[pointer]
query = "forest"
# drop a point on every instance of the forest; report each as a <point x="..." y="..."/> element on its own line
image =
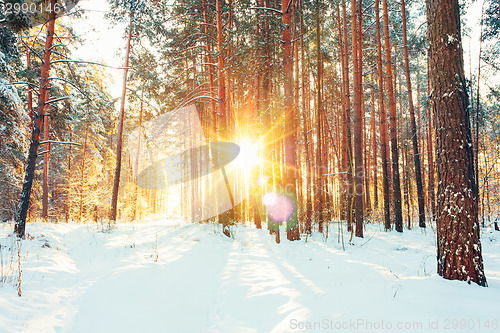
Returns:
<point x="299" y="124"/>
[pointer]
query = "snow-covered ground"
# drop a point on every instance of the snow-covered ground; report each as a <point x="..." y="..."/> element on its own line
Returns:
<point x="166" y="276"/>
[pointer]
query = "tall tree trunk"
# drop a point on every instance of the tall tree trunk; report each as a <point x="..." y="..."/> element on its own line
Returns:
<point x="319" y="188"/>
<point x="367" y="164"/>
<point x="137" y="156"/>
<point x="383" y="123"/>
<point x="220" y="76"/>
<point x="119" y="140"/>
<point x="396" y="185"/>
<point x="476" y="141"/>
<point x="223" y="109"/>
<point x="305" y="120"/>
<point x="347" y="125"/>
<point x="423" y="139"/>
<point x="458" y="240"/>
<point x="358" y="131"/>
<point x="210" y="61"/>
<point x="430" y="153"/>
<point x="30" y="90"/>
<point x="406" y="180"/>
<point x="227" y="67"/>
<point x="20" y="227"/>
<point x="82" y="180"/>
<point x="364" y="145"/>
<point x="292" y="230"/>
<point x="374" y="155"/>
<point x="413" y="128"/>
<point x="297" y="90"/>
<point x="68" y="187"/>
<point x="344" y="188"/>
<point x="46" y="156"/>
<point x="266" y="80"/>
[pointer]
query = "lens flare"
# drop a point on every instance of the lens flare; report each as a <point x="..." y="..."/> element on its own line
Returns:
<point x="280" y="208"/>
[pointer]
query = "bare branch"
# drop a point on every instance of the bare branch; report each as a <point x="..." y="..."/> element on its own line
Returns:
<point x="89" y="62"/>
<point x="57" y="99"/>
<point x="31" y="84"/>
<point x="268" y="8"/>
<point x="60" y="142"/>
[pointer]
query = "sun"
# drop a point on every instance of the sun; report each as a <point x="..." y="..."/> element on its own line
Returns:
<point x="249" y="156"/>
<point x="249" y="153"/>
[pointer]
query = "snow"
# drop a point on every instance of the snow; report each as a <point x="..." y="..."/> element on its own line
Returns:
<point x="167" y="276"/>
<point x="9" y="92"/>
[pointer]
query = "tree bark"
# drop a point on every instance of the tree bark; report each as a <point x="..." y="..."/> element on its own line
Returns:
<point x="137" y="156"/>
<point x="20" y="227"/>
<point x="358" y="131"/>
<point x="374" y="155"/>
<point x="305" y="120"/>
<point x="413" y="126"/>
<point x="430" y="153"/>
<point x="119" y="140"/>
<point x="347" y="125"/>
<point x="476" y="141"/>
<point x="344" y="188"/>
<point x="210" y="66"/>
<point x="458" y="240"/>
<point x="396" y="184"/>
<point x="319" y="188"/>
<point x="45" y="181"/>
<point x="292" y="230"/>
<point x="30" y="90"/>
<point x="68" y="187"/>
<point x="221" y="77"/>
<point x="82" y="180"/>
<point x="227" y="68"/>
<point x="383" y="123"/>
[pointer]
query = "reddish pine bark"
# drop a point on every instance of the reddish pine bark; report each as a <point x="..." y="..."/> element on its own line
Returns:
<point x="374" y="155"/>
<point x="319" y="188"/>
<point x="292" y="230"/>
<point x="305" y="120"/>
<point x="220" y="76"/>
<point x="30" y="91"/>
<point x="45" y="181"/>
<point x="68" y="180"/>
<point x="344" y="188"/>
<point x="458" y="242"/>
<point x="119" y="141"/>
<point x="210" y="61"/>
<point x="364" y="143"/>
<point x="430" y="154"/>
<point x="358" y="131"/>
<point x="82" y="180"/>
<point x="413" y="126"/>
<point x="383" y="123"/>
<point x="229" y="96"/>
<point x="20" y="227"/>
<point x="396" y="185"/>
<point x="347" y="125"/>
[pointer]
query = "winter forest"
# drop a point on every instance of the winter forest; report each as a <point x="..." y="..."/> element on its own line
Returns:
<point x="249" y="165"/>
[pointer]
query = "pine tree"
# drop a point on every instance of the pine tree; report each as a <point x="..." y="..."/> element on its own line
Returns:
<point x="396" y="185"/>
<point x="413" y="125"/>
<point x="38" y="119"/>
<point x="458" y="241"/>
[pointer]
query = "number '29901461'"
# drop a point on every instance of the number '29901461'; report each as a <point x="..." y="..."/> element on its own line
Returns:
<point x="9" y="8"/>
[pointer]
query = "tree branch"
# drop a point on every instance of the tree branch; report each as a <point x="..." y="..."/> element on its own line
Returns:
<point x="268" y="8"/>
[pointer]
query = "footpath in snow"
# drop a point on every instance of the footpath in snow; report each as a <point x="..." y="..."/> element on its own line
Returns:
<point x="166" y="276"/>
